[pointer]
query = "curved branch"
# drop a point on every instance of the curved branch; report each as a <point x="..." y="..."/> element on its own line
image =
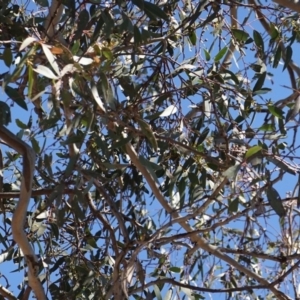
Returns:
<point x="19" y="215"/>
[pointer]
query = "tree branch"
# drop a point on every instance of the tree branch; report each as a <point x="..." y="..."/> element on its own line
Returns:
<point x="201" y="242"/>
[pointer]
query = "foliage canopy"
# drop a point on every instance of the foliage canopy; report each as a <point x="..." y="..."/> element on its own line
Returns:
<point x="164" y="132"/>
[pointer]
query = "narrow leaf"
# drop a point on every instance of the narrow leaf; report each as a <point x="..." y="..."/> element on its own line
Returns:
<point x="16" y="96"/>
<point x="288" y="56"/>
<point x="277" y="57"/>
<point x="275" y="202"/>
<point x="146" y="129"/>
<point x="258" y="41"/>
<point x="253" y="150"/>
<point x="85" y="61"/>
<point x="155" y="10"/>
<point x="172" y="109"/>
<point x="240" y="35"/>
<point x="107" y="91"/>
<point x="7" y="57"/>
<point x="42" y="70"/>
<point x="97" y="98"/>
<point x="232" y="171"/>
<point x="220" y="55"/>
<point x="275" y="111"/>
<point x="26" y="43"/>
<point x="207" y="55"/>
<point x="51" y="59"/>
<point x="260" y="82"/>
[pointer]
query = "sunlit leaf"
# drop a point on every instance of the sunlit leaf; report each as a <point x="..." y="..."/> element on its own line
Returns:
<point x="172" y="109"/>
<point x="42" y="70"/>
<point x="51" y="59"/>
<point x="276" y="111"/>
<point x="97" y="98"/>
<point x="85" y="61"/>
<point x="107" y="91"/>
<point x="27" y="42"/>
<point x="253" y="150"/>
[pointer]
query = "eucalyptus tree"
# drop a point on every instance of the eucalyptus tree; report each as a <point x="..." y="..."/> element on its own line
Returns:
<point x="149" y="149"/>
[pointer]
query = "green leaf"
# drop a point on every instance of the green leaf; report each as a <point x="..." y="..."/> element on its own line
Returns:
<point x="240" y="35"/>
<point x="55" y="230"/>
<point x="221" y="53"/>
<point x="157" y="292"/>
<point x="137" y="36"/>
<point x="260" y="82"/>
<point x="207" y="55"/>
<point x="35" y="145"/>
<point x="175" y="269"/>
<point x="288" y="57"/>
<point x="274" y="32"/>
<point x="262" y="91"/>
<point x="277" y="57"/>
<point x="16" y="96"/>
<point x="7" y="57"/>
<point x="81" y="23"/>
<point x="276" y="111"/>
<point x="253" y="150"/>
<point x="267" y="127"/>
<point x="147" y="131"/>
<point x="107" y="53"/>
<point x="275" y="202"/>
<point x="107" y="91"/>
<point x="233" y="205"/>
<point x="5" y="116"/>
<point x="151" y="10"/>
<point x="232" y="171"/>
<point x="21" y="124"/>
<point x="232" y="76"/>
<point x="30" y="81"/>
<point x="151" y="167"/>
<point x="193" y="37"/>
<point x="259" y="41"/>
